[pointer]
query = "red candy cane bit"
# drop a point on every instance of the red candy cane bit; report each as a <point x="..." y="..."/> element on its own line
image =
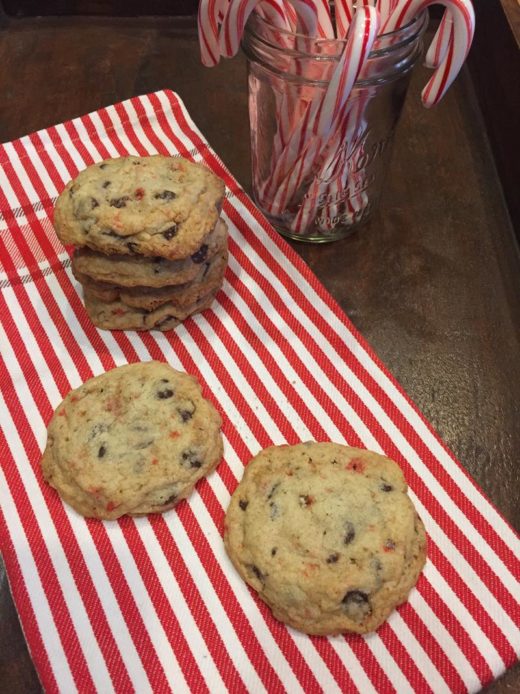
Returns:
<point x="356" y="464"/>
<point x="139" y="194"/>
<point x="111" y="506"/>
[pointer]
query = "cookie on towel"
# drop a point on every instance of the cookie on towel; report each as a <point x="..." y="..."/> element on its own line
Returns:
<point x="209" y="279"/>
<point x="115" y="315"/>
<point x="327" y="536"/>
<point x="151" y="206"/>
<point x="140" y="271"/>
<point x="134" y="440"/>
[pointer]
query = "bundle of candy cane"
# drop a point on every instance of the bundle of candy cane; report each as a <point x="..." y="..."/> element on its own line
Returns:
<point x="311" y="133"/>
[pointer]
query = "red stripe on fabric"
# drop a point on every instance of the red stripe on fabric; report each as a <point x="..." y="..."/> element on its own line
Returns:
<point x="50" y="303"/>
<point x="243" y="627"/>
<point x="459" y="634"/>
<point x="164" y="611"/>
<point x="200" y="612"/>
<point x="470" y="600"/>
<point x="50" y="580"/>
<point x="23" y="602"/>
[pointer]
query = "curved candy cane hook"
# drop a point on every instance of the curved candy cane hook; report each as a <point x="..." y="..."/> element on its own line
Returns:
<point x="463" y="17"/>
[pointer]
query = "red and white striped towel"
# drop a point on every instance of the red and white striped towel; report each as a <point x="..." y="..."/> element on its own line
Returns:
<point x="153" y="604"/>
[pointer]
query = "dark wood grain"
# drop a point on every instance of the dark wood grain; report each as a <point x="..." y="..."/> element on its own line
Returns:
<point x="433" y="282"/>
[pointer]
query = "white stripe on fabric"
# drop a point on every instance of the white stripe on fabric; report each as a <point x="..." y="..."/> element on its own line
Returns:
<point x="175" y="597"/>
<point x="449" y="645"/>
<point x="72" y="598"/>
<point x="36" y="595"/>
<point x="152" y="623"/>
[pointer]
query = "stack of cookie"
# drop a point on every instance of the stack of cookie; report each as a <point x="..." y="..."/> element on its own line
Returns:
<point x="151" y="248"/>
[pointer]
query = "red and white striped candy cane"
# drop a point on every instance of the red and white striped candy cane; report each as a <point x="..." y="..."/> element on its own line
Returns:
<point x="209" y="18"/>
<point x="235" y="19"/>
<point x="314" y="18"/>
<point x="343" y="14"/>
<point x="463" y="17"/>
<point x="440" y="43"/>
<point x="385" y="8"/>
<point x="335" y="187"/>
<point x="307" y="139"/>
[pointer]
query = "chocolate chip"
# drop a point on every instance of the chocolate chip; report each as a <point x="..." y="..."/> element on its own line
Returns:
<point x="119" y="202"/>
<point x="165" y="195"/>
<point x="94" y="203"/>
<point x="257" y="573"/>
<point x="357" y="604"/>
<point x="243" y="503"/>
<point x="200" y="255"/>
<point x="106" y="184"/>
<point x="164" y="321"/>
<point x="143" y="444"/>
<point x="385" y="487"/>
<point x="185" y="415"/>
<point x="170" y="232"/>
<point x="132" y="246"/>
<point x="101" y="452"/>
<point x="102" y="166"/>
<point x="332" y="558"/>
<point x="273" y="490"/>
<point x="274" y="551"/>
<point x="190" y="458"/>
<point x="275" y="511"/>
<point x="97" y="429"/>
<point x="170" y="499"/>
<point x="350" y="533"/>
<point x="164" y="394"/>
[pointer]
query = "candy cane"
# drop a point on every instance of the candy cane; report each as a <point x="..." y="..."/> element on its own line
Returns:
<point x="208" y="23"/>
<point x="314" y="16"/>
<point x="332" y="174"/>
<point x="307" y="139"/>
<point x="441" y="41"/>
<point x="463" y="17"/>
<point x="235" y="19"/>
<point x="385" y="8"/>
<point x="343" y="13"/>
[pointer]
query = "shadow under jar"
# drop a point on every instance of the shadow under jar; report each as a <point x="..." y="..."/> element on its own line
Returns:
<point x="313" y="188"/>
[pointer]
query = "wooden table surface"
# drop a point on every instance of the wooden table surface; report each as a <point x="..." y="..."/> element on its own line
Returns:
<point x="433" y="282"/>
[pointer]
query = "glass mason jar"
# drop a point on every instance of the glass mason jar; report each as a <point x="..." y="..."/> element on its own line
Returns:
<point x="314" y="189"/>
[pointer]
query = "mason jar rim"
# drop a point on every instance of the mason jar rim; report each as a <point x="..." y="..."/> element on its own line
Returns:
<point x="420" y="20"/>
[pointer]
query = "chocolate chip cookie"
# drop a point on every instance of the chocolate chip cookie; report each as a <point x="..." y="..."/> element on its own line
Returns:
<point x="115" y="315"/>
<point x="151" y="206"/>
<point x="134" y="440"/>
<point x="139" y="271"/>
<point x="327" y="535"/>
<point x="208" y="279"/>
